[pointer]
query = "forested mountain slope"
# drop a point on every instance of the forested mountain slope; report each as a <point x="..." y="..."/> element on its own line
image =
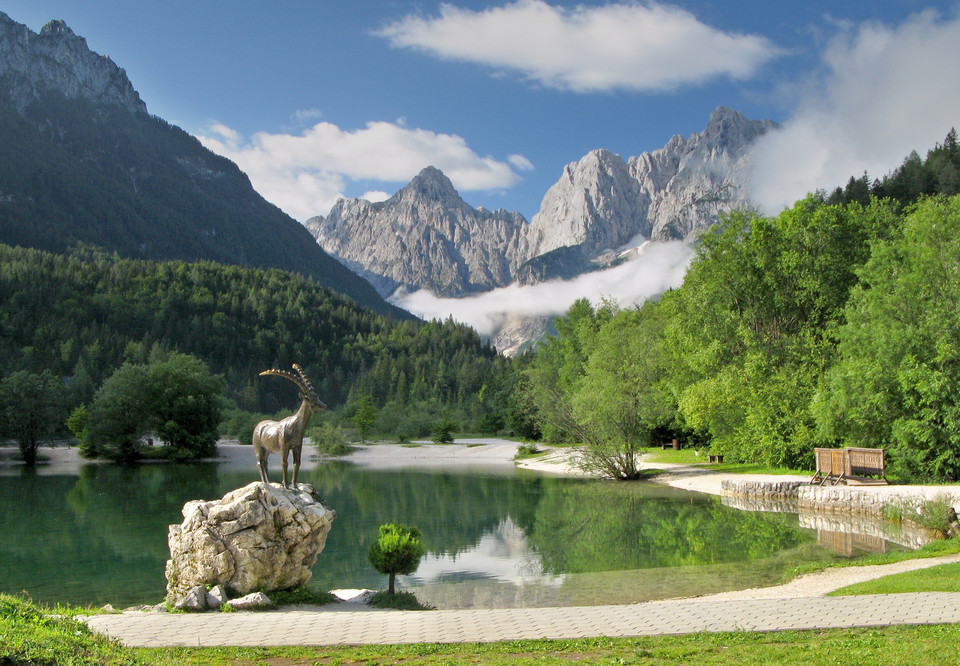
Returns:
<point x="82" y="161"/>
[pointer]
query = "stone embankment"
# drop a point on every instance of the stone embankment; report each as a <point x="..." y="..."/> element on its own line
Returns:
<point x="862" y="510"/>
<point x="857" y="500"/>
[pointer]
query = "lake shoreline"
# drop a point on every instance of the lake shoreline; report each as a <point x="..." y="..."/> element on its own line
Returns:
<point x="494" y="454"/>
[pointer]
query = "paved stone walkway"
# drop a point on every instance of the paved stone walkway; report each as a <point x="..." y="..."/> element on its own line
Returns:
<point x="318" y="627"/>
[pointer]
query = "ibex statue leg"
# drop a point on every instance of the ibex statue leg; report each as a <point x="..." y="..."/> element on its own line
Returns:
<point x="283" y="466"/>
<point x="296" y="465"/>
<point x="262" y="464"/>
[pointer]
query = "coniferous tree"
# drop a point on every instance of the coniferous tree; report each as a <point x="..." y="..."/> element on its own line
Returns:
<point x="397" y="550"/>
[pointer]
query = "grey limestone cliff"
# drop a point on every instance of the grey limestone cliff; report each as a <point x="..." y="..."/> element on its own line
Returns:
<point x="57" y="59"/>
<point x="426" y="236"/>
<point x="689" y="182"/>
<point x="672" y="193"/>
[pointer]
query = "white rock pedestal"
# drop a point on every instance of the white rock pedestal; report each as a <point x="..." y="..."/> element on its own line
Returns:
<point x="259" y="537"/>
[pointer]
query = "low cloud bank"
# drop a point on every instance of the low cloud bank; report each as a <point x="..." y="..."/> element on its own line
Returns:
<point x="883" y="91"/>
<point x="659" y="267"/>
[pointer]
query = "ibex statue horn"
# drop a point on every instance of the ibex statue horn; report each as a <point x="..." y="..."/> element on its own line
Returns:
<point x="287" y="435"/>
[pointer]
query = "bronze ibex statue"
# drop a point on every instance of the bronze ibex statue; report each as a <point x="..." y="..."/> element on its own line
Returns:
<point x="287" y="435"/>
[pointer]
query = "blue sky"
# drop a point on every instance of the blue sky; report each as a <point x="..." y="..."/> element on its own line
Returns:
<point x="317" y="99"/>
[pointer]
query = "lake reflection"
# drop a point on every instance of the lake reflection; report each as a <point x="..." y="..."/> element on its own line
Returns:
<point x="494" y="539"/>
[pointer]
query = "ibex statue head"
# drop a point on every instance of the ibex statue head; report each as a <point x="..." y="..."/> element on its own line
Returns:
<point x="287" y="435"/>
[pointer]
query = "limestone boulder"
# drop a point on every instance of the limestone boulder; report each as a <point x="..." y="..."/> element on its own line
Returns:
<point x="259" y="537"/>
<point x="252" y="601"/>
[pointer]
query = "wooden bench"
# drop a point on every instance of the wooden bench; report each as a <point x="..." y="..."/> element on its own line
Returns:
<point x="851" y="465"/>
<point x="715" y="457"/>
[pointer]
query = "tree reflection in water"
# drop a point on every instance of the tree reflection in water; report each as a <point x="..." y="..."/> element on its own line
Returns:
<point x="512" y="539"/>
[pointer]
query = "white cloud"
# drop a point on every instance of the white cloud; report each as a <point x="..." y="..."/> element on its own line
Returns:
<point x="885" y="91"/>
<point x="659" y="267"/>
<point x="520" y="162"/>
<point x="229" y="135"/>
<point x="305" y="174"/>
<point x="375" y="195"/>
<point x="616" y="46"/>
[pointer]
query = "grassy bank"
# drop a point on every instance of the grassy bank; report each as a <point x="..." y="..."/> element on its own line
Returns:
<point x="692" y="457"/>
<point x="33" y="635"/>
<point x="899" y="645"/>
<point x="943" y="578"/>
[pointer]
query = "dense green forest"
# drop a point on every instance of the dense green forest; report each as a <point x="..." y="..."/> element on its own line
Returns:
<point x="81" y="315"/>
<point x="834" y="323"/>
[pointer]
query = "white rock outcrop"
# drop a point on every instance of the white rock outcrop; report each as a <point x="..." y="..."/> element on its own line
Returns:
<point x="596" y="205"/>
<point x="256" y="538"/>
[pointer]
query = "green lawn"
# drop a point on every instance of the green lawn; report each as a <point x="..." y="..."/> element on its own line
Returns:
<point x="943" y="578"/>
<point x="894" y="645"/>
<point x="690" y="457"/>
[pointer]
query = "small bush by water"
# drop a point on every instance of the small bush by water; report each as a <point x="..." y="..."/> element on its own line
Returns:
<point x="527" y="450"/>
<point x="936" y="513"/>
<point x="328" y="439"/>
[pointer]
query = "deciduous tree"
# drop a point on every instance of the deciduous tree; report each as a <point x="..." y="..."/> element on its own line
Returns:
<point x="896" y="384"/>
<point x="174" y="397"/>
<point x="32" y="406"/>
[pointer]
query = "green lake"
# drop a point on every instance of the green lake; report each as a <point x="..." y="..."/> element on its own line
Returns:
<point x="495" y="537"/>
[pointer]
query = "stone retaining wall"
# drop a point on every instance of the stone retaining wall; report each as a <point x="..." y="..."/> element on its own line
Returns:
<point x="765" y="490"/>
<point x="839" y="509"/>
<point x="857" y="500"/>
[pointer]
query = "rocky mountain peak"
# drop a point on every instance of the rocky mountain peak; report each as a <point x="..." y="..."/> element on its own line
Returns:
<point x="431" y="182"/>
<point x="58" y="60"/>
<point x="60" y="28"/>
<point x="423" y="236"/>
<point x="592" y="206"/>
<point x="729" y="128"/>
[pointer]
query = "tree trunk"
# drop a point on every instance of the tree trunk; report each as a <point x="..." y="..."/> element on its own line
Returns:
<point x="393" y="578"/>
<point x="28" y="450"/>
